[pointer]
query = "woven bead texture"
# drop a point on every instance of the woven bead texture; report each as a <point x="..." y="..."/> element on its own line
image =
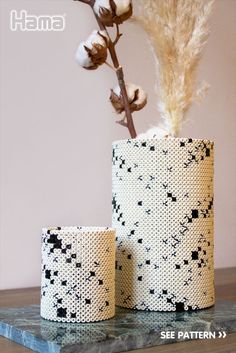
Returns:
<point x="78" y="274"/>
<point x="163" y="215"/>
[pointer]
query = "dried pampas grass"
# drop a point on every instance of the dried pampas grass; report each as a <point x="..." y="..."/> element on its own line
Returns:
<point x="178" y="31"/>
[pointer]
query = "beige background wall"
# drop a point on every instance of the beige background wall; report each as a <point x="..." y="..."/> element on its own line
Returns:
<point x="57" y="128"/>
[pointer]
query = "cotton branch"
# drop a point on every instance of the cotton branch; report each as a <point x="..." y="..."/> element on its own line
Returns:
<point x="119" y="71"/>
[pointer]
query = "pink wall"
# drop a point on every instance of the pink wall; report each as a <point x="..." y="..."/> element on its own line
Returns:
<point x="57" y="127"/>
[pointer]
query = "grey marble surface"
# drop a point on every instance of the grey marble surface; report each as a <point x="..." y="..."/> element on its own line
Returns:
<point x="128" y="330"/>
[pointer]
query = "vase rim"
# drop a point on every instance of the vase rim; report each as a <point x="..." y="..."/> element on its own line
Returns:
<point x="77" y="230"/>
<point x="165" y="139"/>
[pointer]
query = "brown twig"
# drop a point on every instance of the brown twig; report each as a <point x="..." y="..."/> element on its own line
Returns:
<point x="110" y="66"/>
<point x="118" y="34"/>
<point x="119" y="72"/>
<point x="122" y="122"/>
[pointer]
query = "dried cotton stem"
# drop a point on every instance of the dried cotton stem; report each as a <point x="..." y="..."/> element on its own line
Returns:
<point x="118" y="69"/>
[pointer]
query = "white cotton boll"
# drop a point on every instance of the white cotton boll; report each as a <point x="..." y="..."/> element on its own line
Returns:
<point x="96" y="37"/>
<point x="109" y="14"/>
<point x="93" y="52"/>
<point x="138" y="100"/>
<point x="122" y="6"/>
<point x="82" y="57"/>
<point x="142" y="96"/>
<point x="116" y="90"/>
<point x="101" y="4"/>
<point x="131" y="88"/>
<point x="136" y="96"/>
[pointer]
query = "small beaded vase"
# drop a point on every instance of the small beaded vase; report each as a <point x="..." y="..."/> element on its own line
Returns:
<point x="78" y="274"/>
<point x="163" y="215"/>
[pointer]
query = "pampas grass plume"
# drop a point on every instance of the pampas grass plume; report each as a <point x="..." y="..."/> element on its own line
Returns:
<point x="178" y="31"/>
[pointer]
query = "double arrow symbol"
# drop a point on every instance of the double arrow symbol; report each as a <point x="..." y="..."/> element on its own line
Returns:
<point x="222" y="334"/>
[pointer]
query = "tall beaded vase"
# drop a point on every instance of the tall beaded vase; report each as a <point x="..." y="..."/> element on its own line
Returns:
<point x="163" y="215"/>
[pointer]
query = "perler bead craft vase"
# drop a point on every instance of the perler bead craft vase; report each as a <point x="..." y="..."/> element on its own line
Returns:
<point x="78" y="274"/>
<point x="163" y="215"/>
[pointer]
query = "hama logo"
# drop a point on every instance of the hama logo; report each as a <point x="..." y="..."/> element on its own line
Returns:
<point x="22" y="21"/>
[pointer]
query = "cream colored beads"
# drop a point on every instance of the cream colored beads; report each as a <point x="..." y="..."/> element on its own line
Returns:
<point x="163" y="215"/>
<point x="78" y="274"/>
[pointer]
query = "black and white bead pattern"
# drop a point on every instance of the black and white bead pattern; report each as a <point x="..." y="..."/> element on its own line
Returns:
<point x="163" y="215"/>
<point x="78" y="274"/>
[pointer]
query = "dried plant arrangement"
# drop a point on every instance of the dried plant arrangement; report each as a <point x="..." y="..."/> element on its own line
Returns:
<point x="177" y="32"/>
<point x="125" y="97"/>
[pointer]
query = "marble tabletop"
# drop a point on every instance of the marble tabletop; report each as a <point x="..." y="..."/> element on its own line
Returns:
<point x="127" y="331"/>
